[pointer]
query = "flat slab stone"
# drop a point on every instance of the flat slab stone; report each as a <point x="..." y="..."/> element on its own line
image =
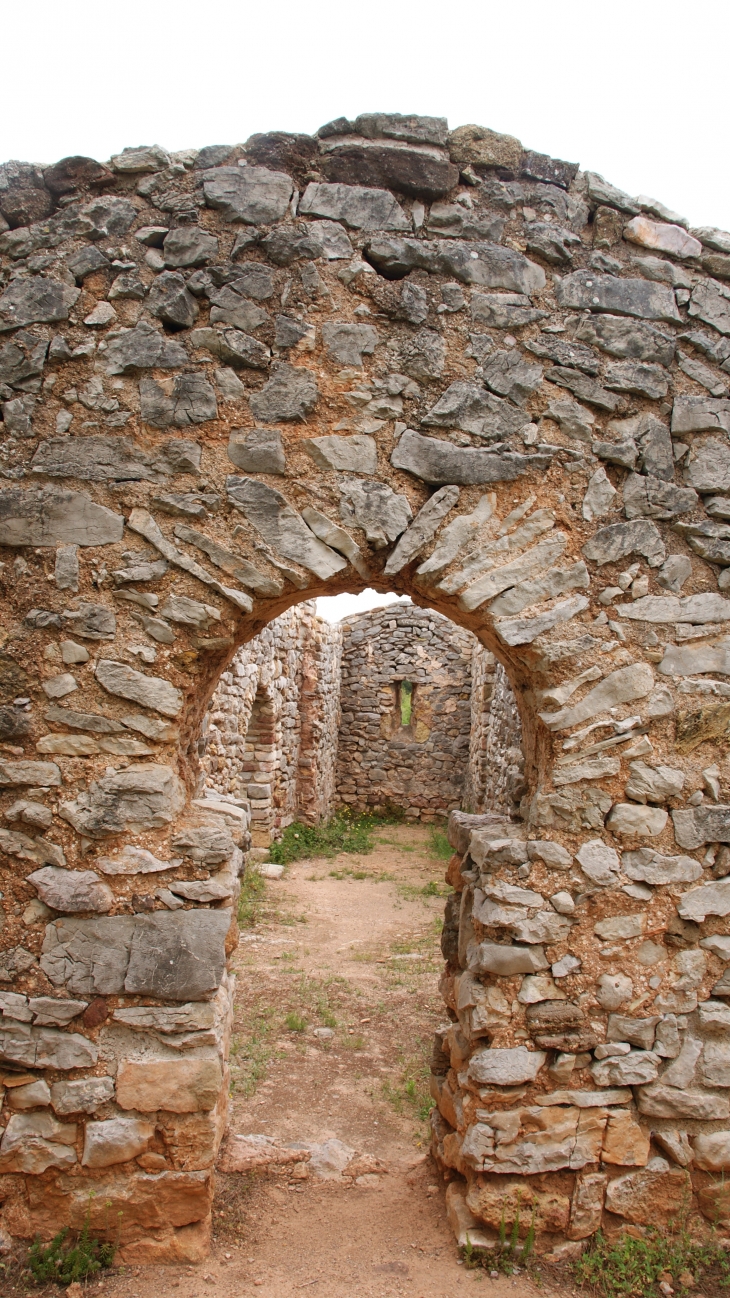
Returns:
<point x="505" y="1067"/>
<point x="343" y="454"/>
<point x="254" y="195"/>
<point x="49" y="516"/>
<point x="173" y="956"/>
<point x="136" y="798"/>
<point x="436" y="461"/>
<point x="588" y="290"/>
<point x="149" y="691"/>
<point x="281" y="526"/>
<point x="45" y="1047"/>
<point x="357" y="206"/>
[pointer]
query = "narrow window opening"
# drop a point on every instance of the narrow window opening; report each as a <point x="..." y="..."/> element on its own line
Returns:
<point x="405" y="701"/>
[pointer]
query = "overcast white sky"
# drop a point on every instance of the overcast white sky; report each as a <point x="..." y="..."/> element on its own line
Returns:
<point x="634" y="90"/>
<point x="637" y="91"/>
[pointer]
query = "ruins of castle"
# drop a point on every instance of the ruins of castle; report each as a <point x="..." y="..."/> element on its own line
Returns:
<point x="425" y="361"/>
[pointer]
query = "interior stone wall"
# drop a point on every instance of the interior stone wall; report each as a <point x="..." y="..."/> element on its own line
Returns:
<point x="270" y="734"/>
<point x="495" y="772"/>
<point x="421" y="360"/>
<point x="419" y="768"/>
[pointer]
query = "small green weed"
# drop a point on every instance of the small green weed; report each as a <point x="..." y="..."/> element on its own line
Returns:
<point x="439" y="845"/>
<point x="296" y="1022"/>
<point x="628" y="1266"/>
<point x="503" y="1256"/>
<point x="345" y="832"/>
<point x="63" y="1264"/>
<point x="250" y="901"/>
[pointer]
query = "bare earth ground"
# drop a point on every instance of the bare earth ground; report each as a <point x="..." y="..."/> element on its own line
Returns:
<point x="351" y="944"/>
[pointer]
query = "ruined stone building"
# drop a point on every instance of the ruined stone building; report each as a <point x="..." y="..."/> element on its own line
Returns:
<point x="397" y="709"/>
<point x="425" y="361"/>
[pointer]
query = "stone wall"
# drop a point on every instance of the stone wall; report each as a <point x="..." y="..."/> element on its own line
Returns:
<point x="270" y="735"/>
<point x="420" y="766"/>
<point x="396" y="356"/>
<point x="495" y="772"/>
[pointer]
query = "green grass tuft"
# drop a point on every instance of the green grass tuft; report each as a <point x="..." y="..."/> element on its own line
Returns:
<point x="345" y="832"/>
<point x="62" y="1264"/>
<point x="439" y="845"/>
<point x="624" y="1267"/>
<point x="296" y="1022"/>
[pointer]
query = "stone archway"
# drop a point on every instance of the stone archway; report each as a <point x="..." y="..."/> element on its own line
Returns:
<point x="391" y="356"/>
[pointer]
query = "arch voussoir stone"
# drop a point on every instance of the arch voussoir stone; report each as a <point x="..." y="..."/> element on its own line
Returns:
<point x="395" y="357"/>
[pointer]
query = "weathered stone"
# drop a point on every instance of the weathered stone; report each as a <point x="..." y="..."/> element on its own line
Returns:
<point x="436" y="461"/>
<point x="636" y="821"/>
<point x="49" y="516"/>
<point x="492" y="957"/>
<point x="709" y="301"/>
<point x="343" y="454"/>
<point x="635" y="1069"/>
<point x="149" y="691"/>
<point x="176" y="956"/>
<point x="34" y="1142"/>
<point x="709" y="899"/>
<point x="586" y="1209"/>
<point x="614" y="990"/>
<point x="30" y="1096"/>
<point x="348" y="343"/>
<point x="422" y="529"/>
<point x="505" y="1067"/>
<point x="671" y="239"/>
<point x="38" y="773"/>
<point x="628" y="339"/>
<point x="658" y="1101"/>
<point x="650" y="497"/>
<point x="485" y="265"/>
<point x="658" y="784"/>
<point x="643" y="379"/>
<point x="170" y="301"/>
<point x="649" y="1197"/>
<point x="582" y="386"/>
<point x="207" y="845"/>
<point x="178" y="1018"/>
<point x="692" y="414"/>
<point x="290" y="394"/>
<point x="253" y="195"/>
<point x="358" y="207"/>
<point x="71" y="890"/>
<point x="585" y="289"/>
<point x="189" y="245"/>
<point x="509" y="375"/>
<point x="504" y="310"/>
<point x="45" y="1047"/>
<point x="143" y="347"/>
<point x="181" y="402"/>
<point x="621" y="686"/>
<point x="281" y="526"/>
<point x="35" y="301"/>
<point x="651" y="867"/>
<point x="140" y="797"/>
<point x="553" y="582"/>
<point x="712" y="1151"/>
<point x="614" y="542"/>
<point x="118" y="1140"/>
<point x="51" y="1011"/>
<point x="176" y="1085"/>
<point x="375" y="507"/>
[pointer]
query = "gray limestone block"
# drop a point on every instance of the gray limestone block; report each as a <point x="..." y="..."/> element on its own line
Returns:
<point x="437" y="461"/>
<point x="589" y="290"/>
<point x="40" y="774"/>
<point x="642" y="378"/>
<point x="516" y="631"/>
<point x="710" y="302"/>
<point x="179" y="608"/>
<point x="509" y="375"/>
<point x="117" y="1140"/>
<point x="617" y="540"/>
<point x="290" y="394"/>
<point x="484" y="265"/>
<point x="45" y="1047"/>
<point x="550" y="584"/>
<point x="552" y="242"/>
<point x="234" y="347"/>
<point x="695" y="826"/>
<point x="142" y="348"/>
<point x="504" y="310"/>
<point x="22" y="359"/>
<point x="31" y="813"/>
<point x="375" y="508"/>
<point x="627" y="339"/>
<point x="410" y="128"/>
<point x="189" y="246"/>
<point x="289" y="332"/>
<point x="253" y="195"/>
<point x="39" y="850"/>
<point x="195" y="1017"/>
<point x="693" y="414"/>
<point x="205" y="844"/>
<point x="258" y="450"/>
<point x="229" y="385"/>
<point x="149" y="691"/>
<point x="233" y="564"/>
<point x="94" y="458"/>
<point x="170" y="301"/>
<point x="582" y="386"/>
<point x="356" y="454"/>
<point x="674" y="572"/>
<point x="218" y="888"/>
<point x="454" y="221"/>
<point x="348" y="343"/>
<point x="356" y="206"/>
<point x="423" y="357"/>
<point x="91" y="621"/>
<point x="281" y="526"/>
<point x="417" y="172"/>
<point x="505" y="960"/>
<point x="85" y="261"/>
<point x="178" y="956"/>
<point x="143" y="159"/>
<point x="509" y="1067"/>
<point x="67" y="568"/>
<point x="653" y="784"/>
<point x="50" y="516"/>
<point x="563" y="351"/>
<point x="471" y="407"/>
<point x="529" y="564"/>
<point x="647" y="866"/>
<point x="423" y="528"/>
<point x="35" y="301"/>
<point x="621" y="686"/>
<point x="191" y="401"/>
<point x="336" y="537"/>
<point x="602" y="193"/>
<point x="232" y="307"/>
<point x="286" y="244"/>
<point x="137" y="798"/>
<point x="51" y="1011"/>
<point x="72" y="890"/>
<point x="650" y="497"/>
<point x="34" y="1142"/>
